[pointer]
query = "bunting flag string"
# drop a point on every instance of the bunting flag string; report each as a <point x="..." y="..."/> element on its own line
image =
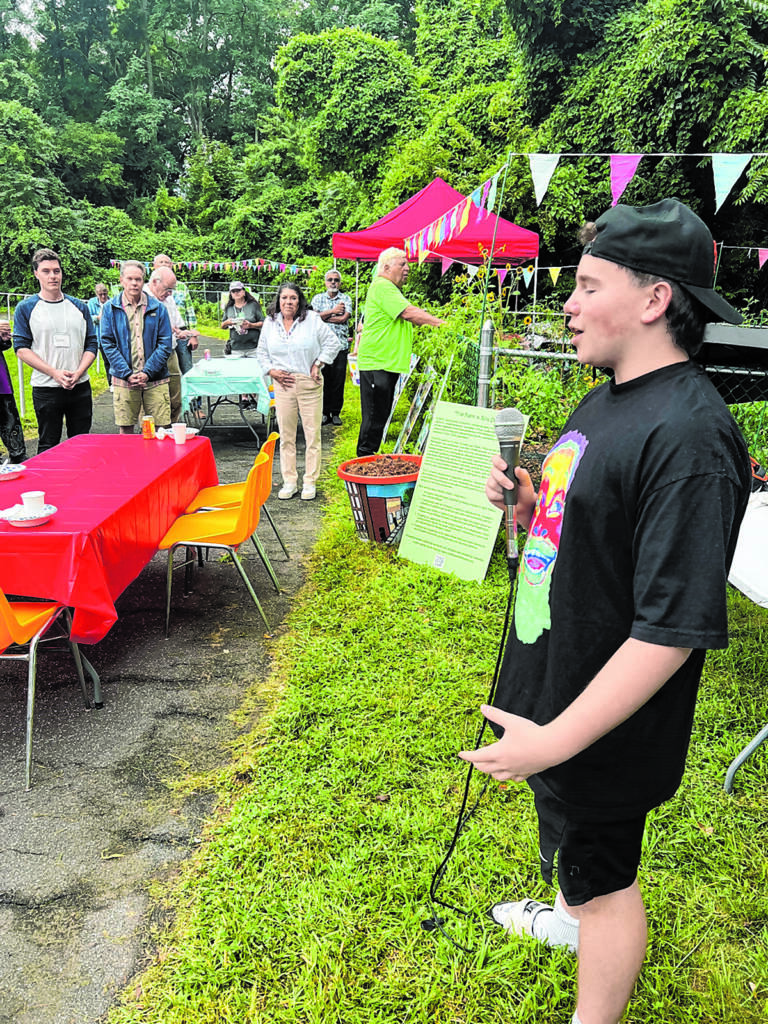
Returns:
<point x="726" y="170"/>
<point x="232" y="266"/>
<point x="762" y="253"/>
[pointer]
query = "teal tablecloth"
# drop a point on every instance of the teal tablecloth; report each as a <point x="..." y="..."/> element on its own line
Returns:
<point x="215" y="378"/>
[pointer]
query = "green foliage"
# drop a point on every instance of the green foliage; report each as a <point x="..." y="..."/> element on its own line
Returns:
<point x="213" y="181"/>
<point x="464" y="43"/>
<point x="17" y="84"/>
<point x="360" y="90"/>
<point x="90" y="162"/>
<point x="137" y="116"/>
<point x="168" y="110"/>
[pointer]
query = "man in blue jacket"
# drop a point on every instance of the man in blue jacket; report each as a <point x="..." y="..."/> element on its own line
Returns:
<point x="136" y="338"/>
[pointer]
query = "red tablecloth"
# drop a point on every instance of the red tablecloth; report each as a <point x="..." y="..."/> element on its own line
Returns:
<point x="116" y="496"/>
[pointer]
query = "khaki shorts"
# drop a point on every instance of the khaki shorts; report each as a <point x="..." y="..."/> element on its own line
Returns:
<point x="130" y="403"/>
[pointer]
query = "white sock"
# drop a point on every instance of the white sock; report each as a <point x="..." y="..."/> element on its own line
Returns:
<point x="558" y="928"/>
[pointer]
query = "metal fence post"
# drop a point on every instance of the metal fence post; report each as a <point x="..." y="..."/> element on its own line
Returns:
<point x="484" y="370"/>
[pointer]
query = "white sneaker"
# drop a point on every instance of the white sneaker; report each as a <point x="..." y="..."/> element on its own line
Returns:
<point x="287" y="491"/>
<point x="520" y="918"/>
<point x="308" y="492"/>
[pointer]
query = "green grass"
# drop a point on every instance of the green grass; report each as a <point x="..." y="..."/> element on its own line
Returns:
<point x="212" y="330"/>
<point x="304" y="906"/>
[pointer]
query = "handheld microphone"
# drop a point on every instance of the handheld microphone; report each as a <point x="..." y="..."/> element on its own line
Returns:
<point x="510" y="427"/>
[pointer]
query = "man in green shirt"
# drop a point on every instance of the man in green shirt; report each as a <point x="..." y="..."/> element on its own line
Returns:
<point x="385" y="346"/>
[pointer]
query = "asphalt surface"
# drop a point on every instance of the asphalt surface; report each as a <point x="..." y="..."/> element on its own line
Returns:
<point x="102" y="822"/>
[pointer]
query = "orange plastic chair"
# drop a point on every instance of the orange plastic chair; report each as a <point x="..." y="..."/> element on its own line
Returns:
<point x="223" y="528"/>
<point x="23" y="626"/>
<point x="230" y="495"/>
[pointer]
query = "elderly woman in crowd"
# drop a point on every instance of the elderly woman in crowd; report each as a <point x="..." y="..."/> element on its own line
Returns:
<point x="243" y="316"/>
<point x="295" y="346"/>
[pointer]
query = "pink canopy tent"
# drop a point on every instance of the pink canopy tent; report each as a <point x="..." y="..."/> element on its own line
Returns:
<point x="513" y="244"/>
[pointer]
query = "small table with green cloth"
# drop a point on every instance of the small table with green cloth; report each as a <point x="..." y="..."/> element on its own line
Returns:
<point x="231" y="380"/>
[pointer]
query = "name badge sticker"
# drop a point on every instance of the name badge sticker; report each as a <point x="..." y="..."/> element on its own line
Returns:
<point x="61" y="341"/>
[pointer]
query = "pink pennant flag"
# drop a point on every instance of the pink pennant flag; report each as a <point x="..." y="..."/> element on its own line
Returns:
<point x="623" y="167"/>
<point x="502" y="274"/>
<point x="445" y="264"/>
<point x="762" y="255"/>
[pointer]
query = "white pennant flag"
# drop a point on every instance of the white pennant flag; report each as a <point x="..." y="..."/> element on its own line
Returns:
<point x="726" y="170"/>
<point x="472" y="271"/>
<point x="542" y="168"/>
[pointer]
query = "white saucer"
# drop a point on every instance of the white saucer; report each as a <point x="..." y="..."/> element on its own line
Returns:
<point x="10" y="471"/>
<point x="36" y="518"/>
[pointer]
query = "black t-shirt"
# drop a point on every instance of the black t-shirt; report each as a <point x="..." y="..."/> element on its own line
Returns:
<point x="633" y="534"/>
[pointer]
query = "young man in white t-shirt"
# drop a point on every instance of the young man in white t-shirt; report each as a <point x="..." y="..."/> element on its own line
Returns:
<point x="54" y="334"/>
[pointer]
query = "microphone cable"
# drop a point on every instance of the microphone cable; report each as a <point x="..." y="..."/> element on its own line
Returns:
<point x="436" y="922"/>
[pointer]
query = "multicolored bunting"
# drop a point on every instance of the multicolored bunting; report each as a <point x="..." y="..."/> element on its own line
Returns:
<point x="727" y="169"/>
<point x="231" y="266"/>
<point x="623" y="167"/>
<point x="542" y="168"/>
<point x="762" y="256"/>
<point x="475" y="207"/>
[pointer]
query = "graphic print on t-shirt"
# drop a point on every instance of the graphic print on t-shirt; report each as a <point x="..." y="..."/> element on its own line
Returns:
<point x="532" y="615"/>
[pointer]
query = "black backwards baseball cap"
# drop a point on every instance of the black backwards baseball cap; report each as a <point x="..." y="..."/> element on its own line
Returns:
<point x="667" y="239"/>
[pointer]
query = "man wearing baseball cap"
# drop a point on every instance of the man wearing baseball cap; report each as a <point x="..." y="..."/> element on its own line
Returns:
<point x="621" y="589"/>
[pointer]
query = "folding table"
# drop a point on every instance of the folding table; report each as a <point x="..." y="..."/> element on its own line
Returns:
<point x="227" y="381"/>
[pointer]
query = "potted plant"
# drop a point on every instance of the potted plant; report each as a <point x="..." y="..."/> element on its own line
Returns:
<point x="380" y="489"/>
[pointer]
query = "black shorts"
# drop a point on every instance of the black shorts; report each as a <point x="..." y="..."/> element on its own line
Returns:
<point x="594" y="858"/>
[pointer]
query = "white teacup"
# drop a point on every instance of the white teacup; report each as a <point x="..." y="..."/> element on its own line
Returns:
<point x="179" y="432"/>
<point x="33" y="501"/>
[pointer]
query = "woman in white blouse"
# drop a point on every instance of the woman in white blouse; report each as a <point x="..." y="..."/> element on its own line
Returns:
<point x="294" y="347"/>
